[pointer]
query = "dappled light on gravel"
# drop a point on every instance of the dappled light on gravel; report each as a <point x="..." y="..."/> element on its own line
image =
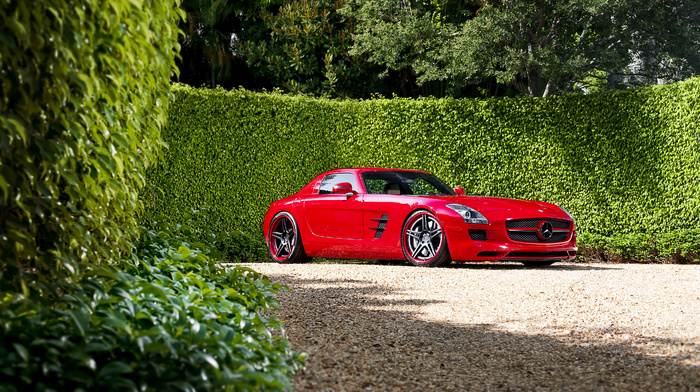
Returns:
<point x="493" y="326"/>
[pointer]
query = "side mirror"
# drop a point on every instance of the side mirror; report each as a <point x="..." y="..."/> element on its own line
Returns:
<point x="459" y="191"/>
<point x="342" y="187"/>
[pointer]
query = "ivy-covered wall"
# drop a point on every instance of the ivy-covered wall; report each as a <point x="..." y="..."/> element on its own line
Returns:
<point x="625" y="164"/>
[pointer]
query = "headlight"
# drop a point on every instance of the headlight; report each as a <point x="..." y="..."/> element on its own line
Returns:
<point x="470" y="215"/>
<point x="570" y="216"/>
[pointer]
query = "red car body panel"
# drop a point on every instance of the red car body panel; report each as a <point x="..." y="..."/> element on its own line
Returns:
<point x="344" y="226"/>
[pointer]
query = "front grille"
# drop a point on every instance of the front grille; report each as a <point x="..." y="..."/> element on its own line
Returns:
<point x="477" y="235"/>
<point x="544" y="255"/>
<point x="523" y="224"/>
<point x="526" y="230"/>
<point x="523" y="237"/>
<point x="532" y="223"/>
<point x="532" y="237"/>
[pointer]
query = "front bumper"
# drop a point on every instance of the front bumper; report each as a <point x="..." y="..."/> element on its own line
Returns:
<point x="498" y="247"/>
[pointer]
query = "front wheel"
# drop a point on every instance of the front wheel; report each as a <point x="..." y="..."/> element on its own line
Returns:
<point x="284" y="240"/>
<point x="423" y="240"/>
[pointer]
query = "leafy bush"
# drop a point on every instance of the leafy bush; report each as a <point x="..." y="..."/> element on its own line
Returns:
<point x="168" y="319"/>
<point x="624" y="164"/>
<point x="85" y="87"/>
<point x="242" y="247"/>
<point x="306" y="51"/>
<point x="234" y="245"/>
<point x="681" y="246"/>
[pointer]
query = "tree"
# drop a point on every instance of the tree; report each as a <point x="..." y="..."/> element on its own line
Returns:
<point x="212" y="30"/>
<point x="538" y="47"/>
<point x="305" y="50"/>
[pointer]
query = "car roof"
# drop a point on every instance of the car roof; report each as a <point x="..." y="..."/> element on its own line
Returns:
<point x="311" y="186"/>
<point x="366" y="169"/>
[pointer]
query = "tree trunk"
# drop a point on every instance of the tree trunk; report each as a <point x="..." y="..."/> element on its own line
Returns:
<point x="548" y="89"/>
<point x="533" y="84"/>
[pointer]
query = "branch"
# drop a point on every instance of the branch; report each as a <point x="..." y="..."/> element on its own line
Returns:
<point x="580" y="39"/>
<point x="614" y="36"/>
<point x="645" y="75"/>
<point x="532" y="33"/>
<point x="585" y="31"/>
<point x="613" y="44"/>
<point x="518" y="86"/>
<point x="597" y="77"/>
<point x="555" y="22"/>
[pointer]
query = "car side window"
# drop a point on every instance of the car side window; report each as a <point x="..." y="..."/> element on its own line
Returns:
<point x="330" y="180"/>
<point x="422" y="187"/>
<point x="375" y="185"/>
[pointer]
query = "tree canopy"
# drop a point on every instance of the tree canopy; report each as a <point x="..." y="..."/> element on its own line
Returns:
<point x="538" y="47"/>
<point x="212" y="32"/>
<point x="306" y="51"/>
<point x="442" y="47"/>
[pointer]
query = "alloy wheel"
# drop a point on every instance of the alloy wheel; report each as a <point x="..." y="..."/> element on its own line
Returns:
<point x="282" y="238"/>
<point x="423" y="238"/>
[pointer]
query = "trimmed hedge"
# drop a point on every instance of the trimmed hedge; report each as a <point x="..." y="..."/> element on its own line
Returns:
<point x="85" y="89"/>
<point x="625" y="164"/>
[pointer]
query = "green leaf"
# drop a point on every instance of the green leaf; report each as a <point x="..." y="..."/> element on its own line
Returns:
<point x="4" y="188"/>
<point x="210" y="360"/>
<point x="22" y="351"/>
<point x="115" y="368"/>
<point x="81" y="320"/>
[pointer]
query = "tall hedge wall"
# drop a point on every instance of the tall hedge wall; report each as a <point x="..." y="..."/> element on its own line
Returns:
<point x="85" y="85"/>
<point x="625" y="164"/>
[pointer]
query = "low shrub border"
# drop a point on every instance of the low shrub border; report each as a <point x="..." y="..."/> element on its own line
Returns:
<point x="625" y="164"/>
<point x="168" y="318"/>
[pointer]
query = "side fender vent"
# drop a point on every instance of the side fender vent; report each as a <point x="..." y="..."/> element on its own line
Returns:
<point x="380" y="227"/>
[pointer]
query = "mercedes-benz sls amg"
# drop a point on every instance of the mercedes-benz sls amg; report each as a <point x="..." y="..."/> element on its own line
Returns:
<point x="386" y="214"/>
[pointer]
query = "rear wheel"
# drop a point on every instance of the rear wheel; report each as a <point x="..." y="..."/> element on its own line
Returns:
<point x="284" y="240"/>
<point x="423" y="240"/>
<point x="538" y="263"/>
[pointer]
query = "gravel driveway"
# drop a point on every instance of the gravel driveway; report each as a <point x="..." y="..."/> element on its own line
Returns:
<point x="493" y="327"/>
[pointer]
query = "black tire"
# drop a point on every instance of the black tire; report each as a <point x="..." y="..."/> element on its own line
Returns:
<point x="423" y="240"/>
<point x="538" y="263"/>
<point x="284" y="240"/>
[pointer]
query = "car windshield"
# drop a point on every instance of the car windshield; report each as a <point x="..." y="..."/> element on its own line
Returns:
<point x="404" y="183"/>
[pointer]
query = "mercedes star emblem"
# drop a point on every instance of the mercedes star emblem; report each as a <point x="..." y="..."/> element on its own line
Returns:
<point x="546" y="230"/>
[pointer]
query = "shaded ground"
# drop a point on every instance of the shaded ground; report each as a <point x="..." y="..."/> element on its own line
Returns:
<point x="499" y="327"/>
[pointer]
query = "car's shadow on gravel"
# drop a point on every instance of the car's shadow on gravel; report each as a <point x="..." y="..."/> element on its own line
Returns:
<point x="364" y="336"/>
<point x="480" y="265"/>
<point x="518" y="266"/>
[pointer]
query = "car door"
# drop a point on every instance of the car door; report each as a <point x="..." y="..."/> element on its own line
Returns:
<point x="335" y="215"/>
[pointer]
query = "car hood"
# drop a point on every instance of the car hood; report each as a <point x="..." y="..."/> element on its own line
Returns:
<point x="515" y="208"/>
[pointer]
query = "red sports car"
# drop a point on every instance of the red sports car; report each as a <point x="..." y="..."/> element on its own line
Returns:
<point x="386" y="214"/>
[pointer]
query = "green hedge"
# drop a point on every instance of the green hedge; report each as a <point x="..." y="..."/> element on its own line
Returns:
<point x="85" y="87"/>
<point x="168" y="319"/>
<point x="625" y="164"/>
